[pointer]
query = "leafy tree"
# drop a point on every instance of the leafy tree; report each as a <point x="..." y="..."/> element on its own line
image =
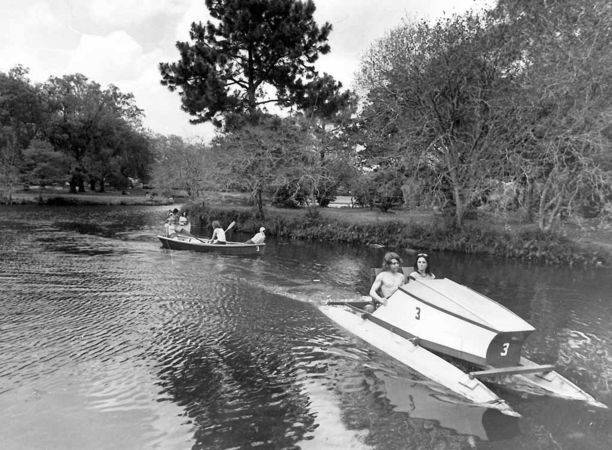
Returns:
<point x="43" y="166"/>
<point x="561" y="113"/>
<point x="94" y="126"/>
<point x="256" y="52"/>
<point x="433" y="96"/>
<point x="272" y="156"/>
<point x="182" y="165"/>
<point x="22" y="113"/>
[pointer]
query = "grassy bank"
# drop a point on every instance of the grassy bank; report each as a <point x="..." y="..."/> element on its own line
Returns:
<point x="402" y="229"/>
<point x="411" y="230"/>
<point x="63" y="197"/>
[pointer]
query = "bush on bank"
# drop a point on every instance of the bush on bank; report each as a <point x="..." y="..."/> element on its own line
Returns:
<point x="528" y="245"/>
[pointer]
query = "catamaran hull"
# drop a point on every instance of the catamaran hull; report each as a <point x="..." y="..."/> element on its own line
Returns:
<point x="397" y="344"/>
<point x="550" y="384"/>
<point x="418" y="359"/>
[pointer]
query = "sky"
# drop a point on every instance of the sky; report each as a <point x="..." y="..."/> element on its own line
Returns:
<point x="122" y="42"/>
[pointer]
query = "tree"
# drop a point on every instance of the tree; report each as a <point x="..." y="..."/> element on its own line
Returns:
<point x="274" y="155"/>
<point x="561" y="120"/>
<point x="182" y="165"/>
<point x="256" y="52"/>
<point x="22" y="114"/>
<point x="94" y="126"/>
<point x="432" y="102"/>
<point x="42" y="165"/>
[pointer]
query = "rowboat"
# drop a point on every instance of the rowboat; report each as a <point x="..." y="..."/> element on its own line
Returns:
<point x="185" y="242"/>
<point x="431" y="324"/>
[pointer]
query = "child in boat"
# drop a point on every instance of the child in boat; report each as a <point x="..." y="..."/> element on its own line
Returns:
<point x="218" y="236"/>
<point x="422" y="269"/>
<point x="171" y="222"/>
<point x="258" y="238"/>
<point x="387" y="281"/>
<point x="183" y="224"/>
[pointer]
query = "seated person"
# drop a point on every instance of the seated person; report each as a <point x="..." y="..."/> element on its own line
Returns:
<point x="171" y="223"/>
<point x="387" y="281"/>
<point x="422" y="269"/>
<point x="183" y="224"/>
<point x="218" y="236"/>
<point x="258" y="238"/>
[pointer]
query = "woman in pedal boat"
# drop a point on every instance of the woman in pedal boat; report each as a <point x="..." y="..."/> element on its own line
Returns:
<point x="422" y="269"/>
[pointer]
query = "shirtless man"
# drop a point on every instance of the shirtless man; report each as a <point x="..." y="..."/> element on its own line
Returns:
<point x="388" y="280"/>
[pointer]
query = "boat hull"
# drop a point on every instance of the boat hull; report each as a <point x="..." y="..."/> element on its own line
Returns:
<point x="197" y="245"/>
<point x="408" y="348"/>
<point x="452" y="319"/>
<point x="417" y="358"/>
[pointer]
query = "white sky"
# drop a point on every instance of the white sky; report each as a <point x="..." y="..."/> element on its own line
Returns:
<point x="121" y="42"/>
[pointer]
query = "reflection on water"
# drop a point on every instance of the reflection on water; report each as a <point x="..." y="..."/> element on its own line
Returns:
<point x="109" y="341"/>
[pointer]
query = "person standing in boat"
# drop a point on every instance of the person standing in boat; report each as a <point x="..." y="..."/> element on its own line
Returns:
<point x="387" y="281"/>
<point x="258" y="238"/>
<point x="422" y="269"/>
<point x="218" y="236"/>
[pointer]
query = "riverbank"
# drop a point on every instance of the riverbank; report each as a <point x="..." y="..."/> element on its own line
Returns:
<point x="414" y="230"/>
<point x="64" y="197"/>
<point x="587" y="245"/>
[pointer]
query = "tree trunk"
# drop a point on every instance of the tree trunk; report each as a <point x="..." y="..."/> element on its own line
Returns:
<point x="459" y="207"/>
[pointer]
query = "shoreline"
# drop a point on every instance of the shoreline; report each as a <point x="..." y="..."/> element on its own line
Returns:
<point x="401" y="229"/>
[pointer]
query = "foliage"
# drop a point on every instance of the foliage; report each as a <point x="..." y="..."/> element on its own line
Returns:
<point x="277" y="156"/>
<point x="98" y="128"/>
<point x="255" y="52"/>
<point x="562" y="111"/>
<point x="381" y="189"/>
<point x="431" y="103"/>
<point x="182" y="165"/>
<point x="518" y="95"/>
<point x="42" y="165"/>
<point x="22" y="114"/>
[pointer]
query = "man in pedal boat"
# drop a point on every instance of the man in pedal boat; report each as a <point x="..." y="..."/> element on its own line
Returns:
<point x="387" y="281"/>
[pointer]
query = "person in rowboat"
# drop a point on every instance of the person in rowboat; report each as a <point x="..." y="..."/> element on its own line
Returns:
<point x="387" y="281"/>
<point x="218" y="236"/>
<point x="422" y="269"/>
<point x="258" y="238"/>
<point x="171" y="222"/>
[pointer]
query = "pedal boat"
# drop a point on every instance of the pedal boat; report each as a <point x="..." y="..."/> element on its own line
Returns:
<point x="427" y="319"/>
<point x="187" y="242"/>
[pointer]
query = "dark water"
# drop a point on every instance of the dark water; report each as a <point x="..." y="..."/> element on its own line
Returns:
<point x="109" y="341"/>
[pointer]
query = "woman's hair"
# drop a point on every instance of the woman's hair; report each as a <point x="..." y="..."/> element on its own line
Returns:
<point x="425" y="256"/>
<point x="390" y="256"/>
<point x="216" y="224"/>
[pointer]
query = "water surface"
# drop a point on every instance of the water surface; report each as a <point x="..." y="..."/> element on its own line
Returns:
<point x="109" y="341"/>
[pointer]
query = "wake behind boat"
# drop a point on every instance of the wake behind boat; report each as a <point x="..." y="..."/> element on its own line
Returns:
<point x="185" y="242"/>
<point x="424" y="319"/>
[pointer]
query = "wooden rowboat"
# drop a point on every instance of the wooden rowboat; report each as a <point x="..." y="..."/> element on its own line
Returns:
<point x="427" y="318"/>
<point x="184" y="242"/>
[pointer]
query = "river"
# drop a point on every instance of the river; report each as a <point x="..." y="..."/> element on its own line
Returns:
<point x="108" y="341"/>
